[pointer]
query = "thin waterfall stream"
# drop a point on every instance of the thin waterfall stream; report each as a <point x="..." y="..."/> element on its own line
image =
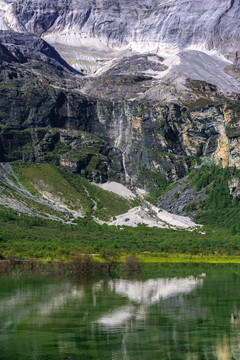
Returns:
<point x="119" y="136"/>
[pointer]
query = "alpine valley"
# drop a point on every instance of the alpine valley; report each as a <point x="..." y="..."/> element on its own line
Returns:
<point x="117" y="112"/>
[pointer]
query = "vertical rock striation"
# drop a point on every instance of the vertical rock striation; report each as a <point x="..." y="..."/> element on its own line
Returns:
<point x="139" y="24"/>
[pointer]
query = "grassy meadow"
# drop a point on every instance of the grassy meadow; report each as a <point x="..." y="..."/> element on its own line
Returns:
<point x="33" y="237"/>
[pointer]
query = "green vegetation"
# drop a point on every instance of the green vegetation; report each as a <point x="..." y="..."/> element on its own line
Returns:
<point x="235" y="107"/>
<point x="160" y="186"/>
<point x="46" y="179"/>
<point x="232" y="131"/>
<point x="25" y="237"/>
<point x="220" y="208"/>
<point x="222" y="189"/>
<point x="108" y="204"/>
<point x="199" y="104"/>
<point x="176" y="195"/>
<point x="191" y="207"/>
<point x="71" y="191"/>
<point x="192" y="161"/>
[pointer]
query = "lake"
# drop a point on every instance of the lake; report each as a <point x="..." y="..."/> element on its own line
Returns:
<point x="178" y="312"/>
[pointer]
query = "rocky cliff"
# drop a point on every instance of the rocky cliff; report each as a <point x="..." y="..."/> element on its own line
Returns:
<point x="46" y="116"/>
<point x="98" y="26"/>
<point x="147" y="117"/>
<point x="120" y="23"/>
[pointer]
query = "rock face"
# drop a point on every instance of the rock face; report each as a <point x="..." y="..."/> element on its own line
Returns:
<point x="91" y="35"/>
<point x="156" y="24"/>
<point x="163" y="98"/>
<point x="20" y="48"/>
<point x="132" y="141"/>
<point x="109" y="127"/>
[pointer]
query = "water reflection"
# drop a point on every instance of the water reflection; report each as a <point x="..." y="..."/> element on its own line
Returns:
<point x="151" y="291"/>
<point x="55" y="303"/>
<point x="118" y="317"/>
<point x="188" y="318"/>
<point x="146" y="294"/>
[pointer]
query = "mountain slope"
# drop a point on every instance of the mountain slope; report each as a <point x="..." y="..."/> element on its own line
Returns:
<point x="95" y="26"/>
<point x="27" y="47"/>
<point x="145" y="120"/>
<point x="51" y="193"/>
<point x="155" y="23"/>
<point x="163" y="105"/>
<point x="103" y="129"/>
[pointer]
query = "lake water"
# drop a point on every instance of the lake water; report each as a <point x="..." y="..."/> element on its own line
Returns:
<point x="173" y="312"/>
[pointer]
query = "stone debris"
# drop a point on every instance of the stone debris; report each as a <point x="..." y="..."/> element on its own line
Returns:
<point x="153" y="217"/>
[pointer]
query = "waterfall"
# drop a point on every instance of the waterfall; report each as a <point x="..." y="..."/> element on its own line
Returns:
<point x="118" y="120"/>
<point x="119" y="129"/>
<point x="68" y="115"/>
<point x="119" y="138"/>
<point x="126" y="174"/>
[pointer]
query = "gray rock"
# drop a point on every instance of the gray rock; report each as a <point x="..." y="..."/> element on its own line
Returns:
<point x="138" y="64"/>
<point x="19" y="47"/>
<point x="155" y="23"/>
<point x="176" y="199"/>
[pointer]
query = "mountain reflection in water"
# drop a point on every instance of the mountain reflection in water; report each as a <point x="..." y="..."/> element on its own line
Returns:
<point x="178" y="318"/>
<point x="146" y="294"/>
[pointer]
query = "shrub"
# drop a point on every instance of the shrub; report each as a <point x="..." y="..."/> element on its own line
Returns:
<point x="111" y="259"/>
<point x="176" y="195"/>
<point x="133" y="265"/>
<point x="84" y="265"/>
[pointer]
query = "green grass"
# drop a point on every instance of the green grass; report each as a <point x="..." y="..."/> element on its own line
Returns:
<point x="46" y="178"/>
<point x="26" y="237"/>
<point x="160" y="258"/>
<point x="32" y="237"/>
<point x="108" y="204"/>
<point x="71" y="190"/>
